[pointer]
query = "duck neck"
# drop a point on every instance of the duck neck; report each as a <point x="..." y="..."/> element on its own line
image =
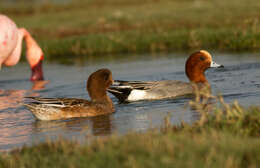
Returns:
<point x="198" y="77"/>
<point x="101" y="97"/>
<point x="34" y="56"/>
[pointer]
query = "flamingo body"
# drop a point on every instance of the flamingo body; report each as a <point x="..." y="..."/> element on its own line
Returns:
<point x="8" y="37"/>
<point x="11" y="38"/>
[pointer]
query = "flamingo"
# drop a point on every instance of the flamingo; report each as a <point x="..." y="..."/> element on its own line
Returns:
<point x="11" y="39"/>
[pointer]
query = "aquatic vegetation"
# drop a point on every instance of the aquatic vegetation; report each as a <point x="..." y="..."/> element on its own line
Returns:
<point x="231" y="118"/>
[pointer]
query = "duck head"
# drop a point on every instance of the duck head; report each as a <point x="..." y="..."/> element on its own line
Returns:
<point x="97" y="84"/>
<point x="197" y="64"/>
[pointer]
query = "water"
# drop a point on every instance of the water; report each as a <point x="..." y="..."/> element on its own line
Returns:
<point x="239" y="80"/>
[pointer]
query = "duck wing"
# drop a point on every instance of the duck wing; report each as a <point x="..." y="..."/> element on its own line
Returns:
<point x="59" y="102"/>
<point x="125" y="90"/>
<point x="122" y="89"/>
<point x="142" y="85"/>
<point x="61" y="108"/>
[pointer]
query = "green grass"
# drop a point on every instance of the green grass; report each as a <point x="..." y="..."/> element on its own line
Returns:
<point x="148" y="150"/>
<point x="229" y="137"/>
<point x="130" y="26"/>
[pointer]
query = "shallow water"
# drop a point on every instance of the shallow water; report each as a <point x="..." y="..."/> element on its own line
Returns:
<point x="239" y="80"/>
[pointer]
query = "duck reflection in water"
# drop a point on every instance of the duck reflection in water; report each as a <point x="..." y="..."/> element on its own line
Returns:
<point x="97" y="126"/>
<point x="101" y="125"/>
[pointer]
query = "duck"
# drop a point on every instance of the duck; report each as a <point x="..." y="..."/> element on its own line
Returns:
<point x="196" y="64"/>
<point x="64" y="108"/>
<point x="11" y="38"/>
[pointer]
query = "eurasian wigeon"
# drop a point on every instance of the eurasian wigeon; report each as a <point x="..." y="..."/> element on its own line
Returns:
<point x="196" y="65"/>
<point x="62" y="108"/>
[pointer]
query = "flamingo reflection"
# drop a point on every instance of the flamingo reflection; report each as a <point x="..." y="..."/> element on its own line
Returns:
<point x="16" y="122"/>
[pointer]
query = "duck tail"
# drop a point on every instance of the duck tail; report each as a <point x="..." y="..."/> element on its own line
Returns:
<point x="120" y="90"/>
<point x="120" y="94"/>
<point x="33" y="108"/>
<point x="40" y="111"/>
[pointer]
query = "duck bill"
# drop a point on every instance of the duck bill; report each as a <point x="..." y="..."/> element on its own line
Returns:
<point x="215" y="65"/>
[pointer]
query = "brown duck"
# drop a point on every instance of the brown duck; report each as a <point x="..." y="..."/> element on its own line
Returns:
<point x="62" y="108"/>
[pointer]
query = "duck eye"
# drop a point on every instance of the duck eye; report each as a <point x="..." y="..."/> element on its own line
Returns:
<point x="106" y="76"/>
<point x="202" y="58"/>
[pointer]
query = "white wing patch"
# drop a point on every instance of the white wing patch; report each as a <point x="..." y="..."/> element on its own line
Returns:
<point x="137" y="95"/>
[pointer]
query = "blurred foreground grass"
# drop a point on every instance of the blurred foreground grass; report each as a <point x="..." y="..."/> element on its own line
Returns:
<point x="105" y="27"/>
<point x="229" y="137"/>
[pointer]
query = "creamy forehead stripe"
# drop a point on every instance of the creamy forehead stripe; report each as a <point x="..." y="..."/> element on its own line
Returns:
<point x="206" y="53"/>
